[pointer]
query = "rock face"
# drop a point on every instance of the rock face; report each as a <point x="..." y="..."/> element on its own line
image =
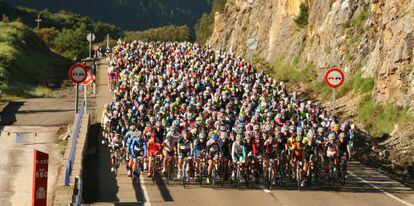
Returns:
<point x="372" y="37"/>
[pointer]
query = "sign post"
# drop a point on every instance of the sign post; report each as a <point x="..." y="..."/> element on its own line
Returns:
<point x="90" y="37"/>
<point x="334" y="77"/>
<point x="85" y="84"/>
<point x="78" y="74"/>
<point x="251" y="44"/>
<point x="40" y="171"/>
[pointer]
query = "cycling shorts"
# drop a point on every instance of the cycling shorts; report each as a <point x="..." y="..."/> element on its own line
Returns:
<point x="184" y="153"/>
<point x="239" y="157"/>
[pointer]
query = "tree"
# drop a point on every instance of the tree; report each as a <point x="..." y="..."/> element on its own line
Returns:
<point x="72" y="43"/>
<point x="48" y="35"/>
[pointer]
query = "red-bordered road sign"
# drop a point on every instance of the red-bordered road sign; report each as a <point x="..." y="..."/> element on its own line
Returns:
<point x="334" y="77"/>
<point x="78" y="73"/>
<point x="40" y="168"/>
<point x="88" y="79"/>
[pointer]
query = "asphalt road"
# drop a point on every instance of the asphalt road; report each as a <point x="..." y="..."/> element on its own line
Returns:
<point x="365" y="186"/>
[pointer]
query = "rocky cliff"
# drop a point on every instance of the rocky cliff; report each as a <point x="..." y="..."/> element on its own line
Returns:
<point x="374" y="38"/>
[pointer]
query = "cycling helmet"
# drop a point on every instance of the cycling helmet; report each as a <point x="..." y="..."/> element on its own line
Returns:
<point x="331" y="136"/>
<point x="335" y="127"/>
<point x="310" y="134"/>
<point x="215" y="136"/>
<point x="342" y="135"/>
<point x="239" y="137"/>
<point x="256" y="127"/>
<point x="320" y="129"/>
<point x="132" y="127"/>
<point x="223" y="135"/>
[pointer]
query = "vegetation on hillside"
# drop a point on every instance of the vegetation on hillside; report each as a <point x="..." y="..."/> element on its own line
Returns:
<point x="302" y="19"/>
<point x="380" y="119"/>
<point x="26" y="62"/>
<point x="204" y="27"/>
<point x="129" y="14"/>
<point x="166" y="33"/>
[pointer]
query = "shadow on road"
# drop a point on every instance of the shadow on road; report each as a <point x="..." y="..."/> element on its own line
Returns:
<point x="97" y="167"/>
<point x="165" y="193"/>
<point x="8" y="116"/>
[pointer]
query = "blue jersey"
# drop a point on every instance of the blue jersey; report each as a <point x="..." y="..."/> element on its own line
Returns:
<point x="136" y="146"/>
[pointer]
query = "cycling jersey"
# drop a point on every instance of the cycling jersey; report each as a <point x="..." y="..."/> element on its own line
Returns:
<point x="238" y="152"/>
<point x="138" y="147"/>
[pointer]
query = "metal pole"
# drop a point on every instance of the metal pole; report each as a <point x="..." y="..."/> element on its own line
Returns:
<point x="76" y="98"/>
<point x="85" y="93"/>
<point x="333" y="94"/>
<point x="90" y="48"/>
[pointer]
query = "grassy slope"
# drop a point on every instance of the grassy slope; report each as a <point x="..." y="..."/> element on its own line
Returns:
<point x="26" y="62"/>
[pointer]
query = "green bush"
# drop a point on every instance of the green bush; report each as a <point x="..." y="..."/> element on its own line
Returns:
<point x="72" y="43"/>
<point x="356" y="83"/>
<point x="381" y="119"/>
<point x="302" y="19"/>
<point x="48" y="35"/>
<point x="166" y="33"/>
<point x="26" y="61"/>
<point x="205" y="25"/>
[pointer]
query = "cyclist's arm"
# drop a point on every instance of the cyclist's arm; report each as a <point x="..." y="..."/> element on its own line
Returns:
<point x="244" y="151"/>
<point x="145" y="148"/>
<point x="233" y="148"/>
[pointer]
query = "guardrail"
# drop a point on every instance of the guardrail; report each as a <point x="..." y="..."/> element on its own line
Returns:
<point x="75" y="134"/>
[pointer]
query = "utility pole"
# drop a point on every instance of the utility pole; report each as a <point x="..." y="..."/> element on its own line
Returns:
<point x="38" y="20"/>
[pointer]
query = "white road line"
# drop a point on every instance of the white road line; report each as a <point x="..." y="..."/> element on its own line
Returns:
<point x="144" y="189"/>
<point x="383" y="191"/>
<point x="264" y="189"/>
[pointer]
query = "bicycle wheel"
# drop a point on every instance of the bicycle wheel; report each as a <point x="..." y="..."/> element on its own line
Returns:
<point x="200" y="173"/>
<point x="298" y="177"/>
<point x="183" y="173"/>
<point x="270" y="177"/>
<point x="238" y="178"/>
<point x="153" y="172"/>
<point x="213" y="178"/>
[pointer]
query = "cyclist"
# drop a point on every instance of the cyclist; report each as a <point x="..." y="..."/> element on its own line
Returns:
<point x="184" y="150"/>
<point x="331" y="151"/>
<point x="199" y="146"/>
<point x="137" y="149"/>
<point x="117" y="145"/>
<point x="214" y="145"/>
<point x="154" y="149"/>
<point x="238" y="152"/>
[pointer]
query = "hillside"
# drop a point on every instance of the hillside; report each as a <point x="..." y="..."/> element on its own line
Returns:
<point x="141" y="14"/>
<point x="372" y="41"/>
<point x="26" y="62"/>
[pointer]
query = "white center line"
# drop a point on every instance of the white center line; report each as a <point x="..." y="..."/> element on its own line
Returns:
<point x="383" y="191"/>
<point x="144" y="189"/>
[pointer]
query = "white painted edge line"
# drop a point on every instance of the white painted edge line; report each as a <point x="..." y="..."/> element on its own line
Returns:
<point x="264" y="189"/>
<point x="383" y="191"/>
<point x="144" y="189"/>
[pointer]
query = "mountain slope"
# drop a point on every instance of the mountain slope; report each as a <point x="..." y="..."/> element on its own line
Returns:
<point x="26" y="61"/>
<point x="129" y="14"/>
<point x="372" y="39"/>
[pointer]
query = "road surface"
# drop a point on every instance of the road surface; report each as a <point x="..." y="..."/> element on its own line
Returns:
<point x="365" y="186"/>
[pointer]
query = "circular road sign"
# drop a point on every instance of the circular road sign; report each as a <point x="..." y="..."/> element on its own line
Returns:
<point x="334" y="77"/>
<point x="251" y="44"/>
<point x="78" y="73"/>
<point x="90" y="37"/>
